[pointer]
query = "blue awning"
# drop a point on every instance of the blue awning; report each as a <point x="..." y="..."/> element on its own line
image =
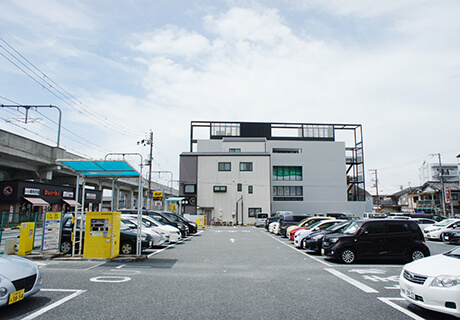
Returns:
<point x="175" y="199"/>
<point x="101" y="168"/>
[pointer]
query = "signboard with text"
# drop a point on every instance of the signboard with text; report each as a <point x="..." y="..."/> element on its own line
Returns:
<point x="447" y="194"/>
<point x="51" y="232"/>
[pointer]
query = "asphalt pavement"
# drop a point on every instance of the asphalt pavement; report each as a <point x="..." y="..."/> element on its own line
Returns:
<point x="220" y="273"/>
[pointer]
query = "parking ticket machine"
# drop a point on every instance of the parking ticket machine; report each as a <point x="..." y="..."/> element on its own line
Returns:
<point x="102" y="235"/>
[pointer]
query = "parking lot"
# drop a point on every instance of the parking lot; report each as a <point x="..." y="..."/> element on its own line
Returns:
<point x="223" y="272"/>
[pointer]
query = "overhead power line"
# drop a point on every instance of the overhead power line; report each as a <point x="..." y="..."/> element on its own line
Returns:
<point x="48" y="84"/>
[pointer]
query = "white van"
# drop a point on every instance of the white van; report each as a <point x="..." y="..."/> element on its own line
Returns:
<point x="260" y="219"/>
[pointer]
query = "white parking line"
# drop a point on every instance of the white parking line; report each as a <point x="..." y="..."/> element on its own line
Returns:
<point x="301" y="252"/>
<point x="351" y="281"/>
<point x="57" y="303"/>
<point x="171" y="245"/>
<point x="389" y="302"/>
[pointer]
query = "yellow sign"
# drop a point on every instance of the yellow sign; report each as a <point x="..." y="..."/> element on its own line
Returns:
<point x="157" y="195"/>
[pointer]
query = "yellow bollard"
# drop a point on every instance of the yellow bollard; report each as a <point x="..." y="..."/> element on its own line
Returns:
<point x="26" y="238"/>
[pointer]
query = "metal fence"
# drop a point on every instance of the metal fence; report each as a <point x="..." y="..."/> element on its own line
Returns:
<point x="11" y="221"/>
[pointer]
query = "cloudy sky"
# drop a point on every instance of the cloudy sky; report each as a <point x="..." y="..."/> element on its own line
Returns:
<point x="118" y="69"/>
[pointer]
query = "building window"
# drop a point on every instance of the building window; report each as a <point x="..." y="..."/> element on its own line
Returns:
<point x="245" y="166"/>
<point x="239" y="187"/>
<point x="253" y="211"/>
<point x="225" y="166"/>
<point x="288" y="193"/>
<point x="190" y="188"/>
<point x="454" y="196"/>
<point x="250" y="189"/>
<point x="287" y="150"/>
<point x="220" y="188"/>
<point x="234" y="150"/>
<point x="287" y="173"/>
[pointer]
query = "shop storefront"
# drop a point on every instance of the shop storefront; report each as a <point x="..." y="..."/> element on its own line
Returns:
<point x="29" y="196"/>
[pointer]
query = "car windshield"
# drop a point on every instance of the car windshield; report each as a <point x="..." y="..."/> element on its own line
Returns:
<point x="443" y="223"/>
<point x="455" y="253"/>
<point x="336" y="226"/>
<point x="352" y="228"/>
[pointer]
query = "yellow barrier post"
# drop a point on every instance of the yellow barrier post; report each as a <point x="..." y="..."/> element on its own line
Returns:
<point x="26" y="238"/>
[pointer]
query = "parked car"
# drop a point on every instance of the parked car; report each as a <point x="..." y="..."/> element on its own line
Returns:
<point x="434" y="232"/>
<point x="270" y="220"/>
<point x="192" y="226"/>
<point x="128" y="237"/>
<point x="377" y="238"/>
<point x="164" y="218"/>
<point x="274" y="227"/>
<point x="451" y="236"/>
<point x="19" y="279"/>
<point x="433" y="283"/>
<point x="260" y="219"/>
<point x="300" y="235"/>
<point x="423" y="223"/>
<point x="286" y="221"/>
<point x="374" y="215"/>
<point x="314" y="242"/>
<point x="304" y="224"/>
<point x="426" y="216"/>
<point x="158" y="238"/>
<point x="174" y="233"/>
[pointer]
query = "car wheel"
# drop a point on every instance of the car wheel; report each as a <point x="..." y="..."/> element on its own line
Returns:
<point x="347" y="256"/>
<point x="416" y="254"/>
<point x="66" y="247"/>
<point x="127" y="248"/>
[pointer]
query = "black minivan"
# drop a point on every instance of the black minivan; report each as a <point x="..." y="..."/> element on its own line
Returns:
<point x="377" y="238"/>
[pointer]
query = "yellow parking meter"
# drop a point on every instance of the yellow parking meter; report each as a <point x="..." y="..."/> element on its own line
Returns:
<point x="102" y="235"/>
<point x="26" y="238"/>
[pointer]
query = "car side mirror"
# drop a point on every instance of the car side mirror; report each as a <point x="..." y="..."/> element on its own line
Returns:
<point x="364" y="232"/>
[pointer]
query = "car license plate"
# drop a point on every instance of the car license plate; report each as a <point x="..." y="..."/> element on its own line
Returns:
<point x="16" y="296"/>
<point x="410" y="293"/>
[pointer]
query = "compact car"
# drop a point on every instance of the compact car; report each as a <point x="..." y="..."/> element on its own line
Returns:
<point x="434" y="232"/>
<point x="19" y="279"/>
<point x="433" y="283"/>
<point x="451" y="236"/>
<point x="376" y="239"/>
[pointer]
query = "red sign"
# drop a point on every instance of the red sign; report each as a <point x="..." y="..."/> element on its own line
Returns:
<point x="447" y="194"/>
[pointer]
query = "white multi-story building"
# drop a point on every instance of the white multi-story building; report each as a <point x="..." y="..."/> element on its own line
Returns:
<point x="243" y="168"/>
<point x="430" y="172"/>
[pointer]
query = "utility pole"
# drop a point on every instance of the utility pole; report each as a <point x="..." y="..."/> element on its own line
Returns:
<point x="441" y="177"/>
<point x="144" y="142"/>
<point x="376" y="187"/>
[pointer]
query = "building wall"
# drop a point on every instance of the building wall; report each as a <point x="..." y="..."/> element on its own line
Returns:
<point x="224" y="204"/>
<point x="324" y="179"/>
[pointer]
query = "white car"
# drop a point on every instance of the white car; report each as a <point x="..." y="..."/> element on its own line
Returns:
<point x="434" y="232"/>
<point x="434" y="282"/>
<point x="424" y="223"/>
<point x="318" y="226"/>
<point x="19" y="278"/>
<point x="174" y="234"/>
<point x="157" y="237"/>
<point x="274" y="227"/>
